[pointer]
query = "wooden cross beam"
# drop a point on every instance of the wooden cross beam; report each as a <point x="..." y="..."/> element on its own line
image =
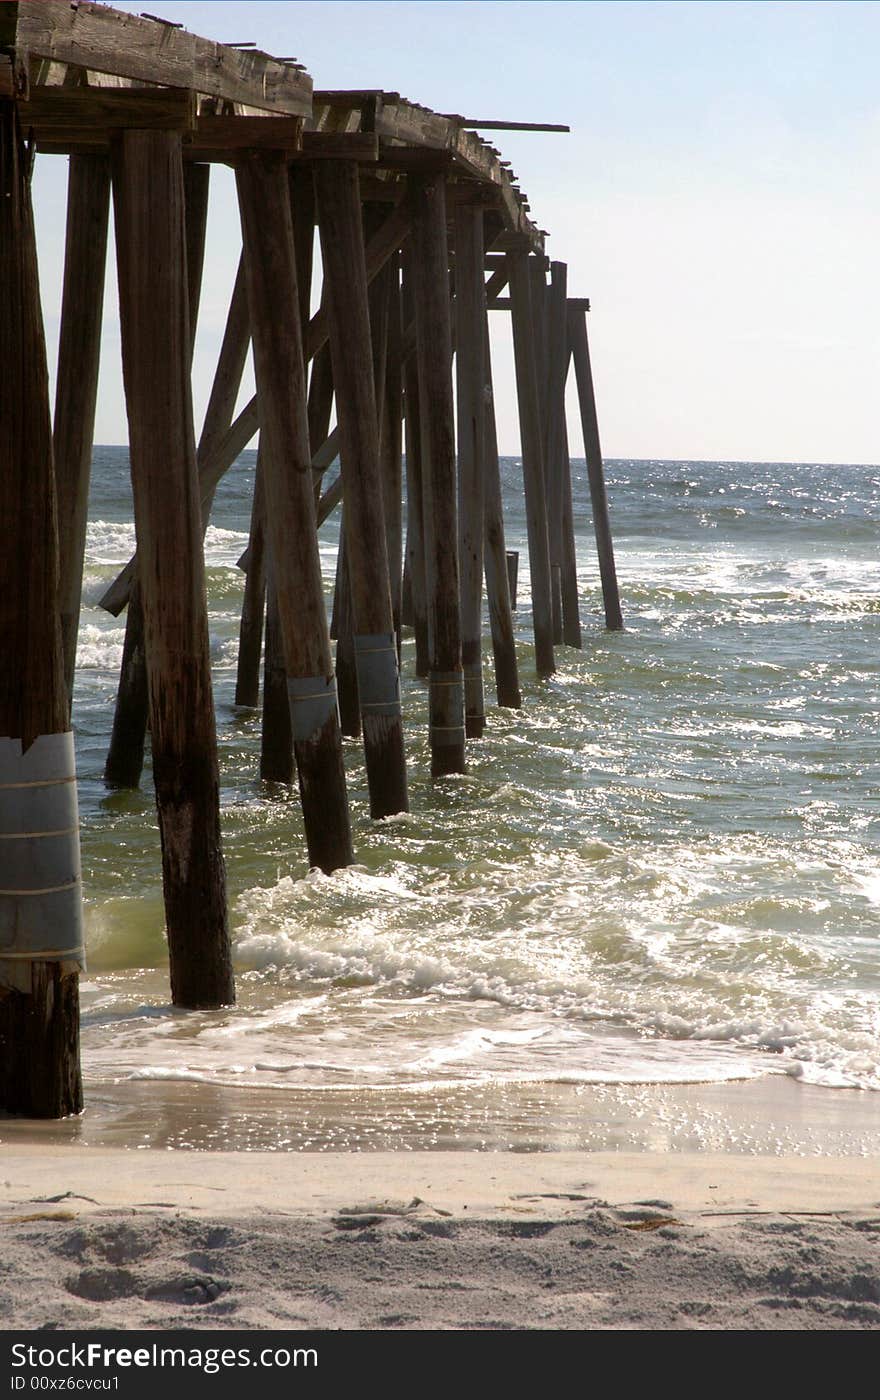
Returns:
<point x="387" y="239"/>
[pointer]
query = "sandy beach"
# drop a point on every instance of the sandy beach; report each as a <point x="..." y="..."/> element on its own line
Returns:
<point x="449" y="1240"/>
<point x="516" y="969"/>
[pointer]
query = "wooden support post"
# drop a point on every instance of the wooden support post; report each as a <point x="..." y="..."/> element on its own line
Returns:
<point x="502" y="599"/>
<point x="390" y="444"/>
<point x="320" y="402"/>
<point x="346" y="662"/>
<point x="273" y="297"/>
<point x="218" y="441"/>
<point x="196" y="185"/>
<point x="512" y="575"/>
<point x="434" y="350"/>
<point x="235" y="437"/>
<point x="250" y="633"/>
<point x="276" y="736"/>
<point x="533" y="460"/>
<point x="276" y="747"/>
<point x="571" y="620"/>
<point x="580" y="350"/>
<point x="41" y="949"/>
<point x="345" y="281"/>
<point x="224" y="391"/>
<point x="415" y="538"/>
<point x="156" y="353"/>
<point x="406" y="608"/>
<point x="377" y="303"/>
<point x="302" y="210"/>
<point x="125" y="753"/>
<point x="76" y="393"/>
<point x="540" y="302"/>
<point x="342" y="625"/>
<point x="319" y="412"/>
<point x="320" y="406"/>
<point x="276" y="742"/>
<point x="540" y="347"/>
<point x="277" y="757"/>
<point x="554" y="432"/>
<point x="470" y="328"/>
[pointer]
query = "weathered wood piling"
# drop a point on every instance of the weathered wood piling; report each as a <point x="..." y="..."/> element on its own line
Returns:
<point x="430" y="265"/>
<point x="500" y="578"/>
<point x="156" y="353"/>
<point x="354" y="381"/>
<point x="415" y="530"/>
<point x="421" y="228"/>
<point x="534" y="479"/>
<point x="41" y="943"/>
<point x="270" y="264"/>
<point x="580" y="351"/>
<point x="470" y="341"/>
<point x="79" y="347"/>
<point x="253" y="608"/>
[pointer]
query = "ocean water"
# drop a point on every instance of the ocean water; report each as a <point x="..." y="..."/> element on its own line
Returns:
<point x="663" y="871"/>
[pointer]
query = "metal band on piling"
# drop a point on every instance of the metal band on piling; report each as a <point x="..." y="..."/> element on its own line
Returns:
<point x="312" y="703"/>
<point x="446" y="705"/>
<point x="377" y="674"/>
<point x="40" y="879"/>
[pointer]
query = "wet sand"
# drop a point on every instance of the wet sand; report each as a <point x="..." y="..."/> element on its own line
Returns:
<point x="772" y="1116"/>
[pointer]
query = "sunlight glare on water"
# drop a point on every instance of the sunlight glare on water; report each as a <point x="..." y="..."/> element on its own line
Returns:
<point x="664" y="870"/>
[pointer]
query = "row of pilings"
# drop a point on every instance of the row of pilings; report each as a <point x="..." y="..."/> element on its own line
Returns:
<point x="403" y="318"/>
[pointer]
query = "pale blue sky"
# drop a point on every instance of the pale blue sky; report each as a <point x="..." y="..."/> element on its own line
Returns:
<point x="718" y="199"/>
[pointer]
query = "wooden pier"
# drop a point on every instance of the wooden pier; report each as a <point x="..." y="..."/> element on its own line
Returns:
<point x="422" y="227"/>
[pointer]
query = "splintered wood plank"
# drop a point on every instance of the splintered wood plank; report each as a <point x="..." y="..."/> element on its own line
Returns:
<point x="421" y="132"/>
<point x="111" y="41"/>
<point x="506" y="126"/>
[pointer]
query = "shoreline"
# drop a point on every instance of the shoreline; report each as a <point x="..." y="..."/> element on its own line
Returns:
<point x="748" y="1205"/>
<point x="775" y="1115"/>
<point x="96" y="1238"/>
